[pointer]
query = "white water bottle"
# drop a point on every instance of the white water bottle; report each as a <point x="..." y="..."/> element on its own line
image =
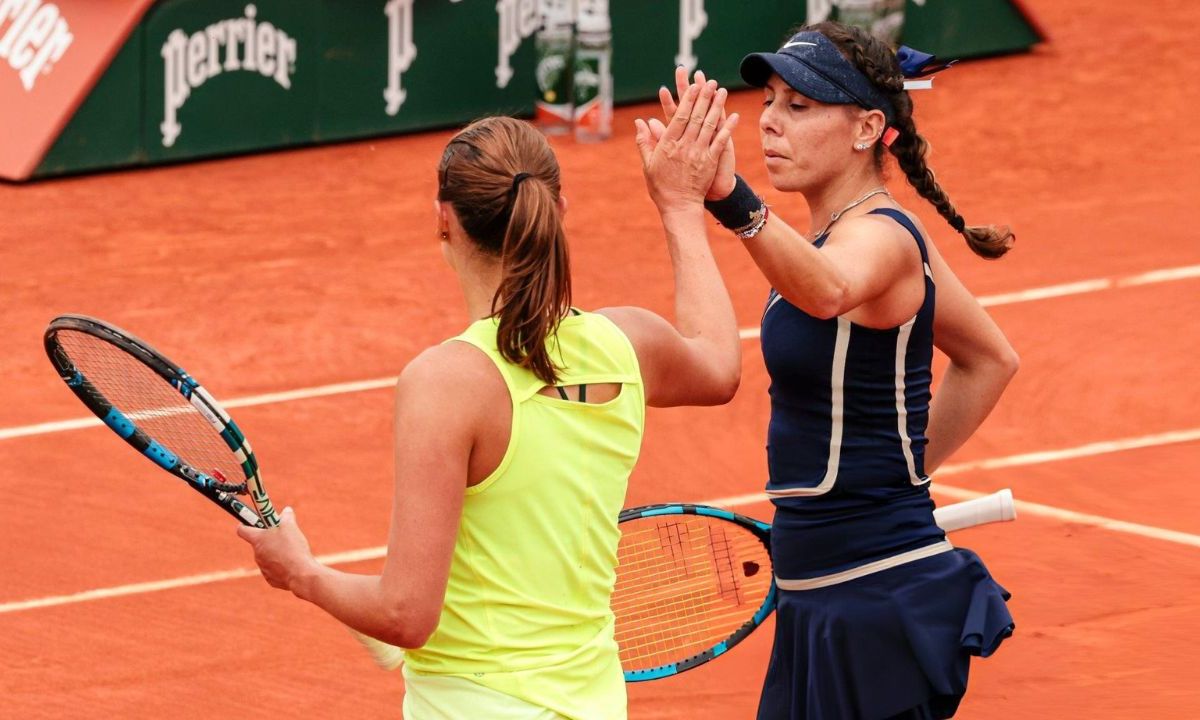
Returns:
<point x="593" y="72"/>
<point x="554" y="109"/>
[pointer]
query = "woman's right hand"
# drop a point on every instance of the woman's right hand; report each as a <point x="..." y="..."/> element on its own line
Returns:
<point x="681" y="159"/>
<point x="725" y="178"/>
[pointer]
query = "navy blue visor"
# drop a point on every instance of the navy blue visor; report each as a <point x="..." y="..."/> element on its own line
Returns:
<point x="811" y="65"/>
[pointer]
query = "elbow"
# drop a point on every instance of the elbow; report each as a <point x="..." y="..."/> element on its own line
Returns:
<point x="412" y="638"/>
<point x="721" y="382"/>
<point x="995" y="366"/>
<point x="1010" y="362"/>
<point x="410" y="628"/>
<point x="726" y="385"/>
<point x="829" y="303"/>
<point x="1003" y="359"/>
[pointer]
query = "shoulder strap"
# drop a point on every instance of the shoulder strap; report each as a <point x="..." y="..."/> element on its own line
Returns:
<point x="908" y="225"/>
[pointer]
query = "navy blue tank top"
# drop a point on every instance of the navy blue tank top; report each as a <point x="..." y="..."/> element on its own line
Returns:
<point x="846" y="441"/>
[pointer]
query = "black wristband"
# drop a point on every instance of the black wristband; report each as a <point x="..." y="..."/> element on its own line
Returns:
<point x="740" y="211"/>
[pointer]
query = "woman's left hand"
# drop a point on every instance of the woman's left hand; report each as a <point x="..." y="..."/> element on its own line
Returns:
<point x="282" y="552"/>
<point x="725" y="178"/>
<point x="679" y="160"/>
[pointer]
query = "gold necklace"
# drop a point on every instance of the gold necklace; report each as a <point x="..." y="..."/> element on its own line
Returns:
<point x="834" y="217"/>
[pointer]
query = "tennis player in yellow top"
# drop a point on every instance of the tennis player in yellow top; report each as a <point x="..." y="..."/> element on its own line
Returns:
<point x="515" y="440"/>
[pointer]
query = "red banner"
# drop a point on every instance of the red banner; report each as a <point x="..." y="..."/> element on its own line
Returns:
<point x="52" y="52"/>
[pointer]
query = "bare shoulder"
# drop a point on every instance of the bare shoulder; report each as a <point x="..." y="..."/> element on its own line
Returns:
<point x="870" y="229"/>
<point x="930" y="245"/>
<point x="452" y="372"/>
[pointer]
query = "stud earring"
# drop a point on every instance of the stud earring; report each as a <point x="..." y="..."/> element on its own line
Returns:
<point x="444" y="235"/>
<point x="861" y="146"/>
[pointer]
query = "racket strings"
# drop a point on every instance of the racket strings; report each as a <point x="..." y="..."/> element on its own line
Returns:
<point x="157" y="409"/>
<point x="694" y="628"/>
<point x="683" y="585"/>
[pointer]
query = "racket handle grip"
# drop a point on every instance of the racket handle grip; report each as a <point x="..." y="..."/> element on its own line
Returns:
<point x="997" y="507"/>
<point x="388" y="657"/>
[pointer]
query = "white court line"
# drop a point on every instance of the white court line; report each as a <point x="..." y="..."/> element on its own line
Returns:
<point x="1096" y="448"/>
<point x="1078" y="518"/>
<point x="1044" y="293"/>
<point x="349" y="556"/>
<point x="1023" y="507"/>
<point x="1074" y="288"/>
<point x="1035" y="458"/>
<point x="1036" y="509"/>
<point x="1157" y="276"/>
<point x="250" y="401"/>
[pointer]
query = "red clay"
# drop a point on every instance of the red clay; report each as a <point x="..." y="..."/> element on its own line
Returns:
<point x="316" y="266"/>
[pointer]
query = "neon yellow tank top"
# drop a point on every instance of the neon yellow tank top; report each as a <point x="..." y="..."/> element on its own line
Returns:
<point x="527" y="604"/>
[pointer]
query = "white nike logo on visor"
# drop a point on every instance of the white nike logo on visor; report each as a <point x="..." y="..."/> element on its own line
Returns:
<point x="794" y="44"/>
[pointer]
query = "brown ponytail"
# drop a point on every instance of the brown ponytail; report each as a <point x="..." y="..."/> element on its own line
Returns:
<point x="516" y="219"/>
<point x="878" y="63"/>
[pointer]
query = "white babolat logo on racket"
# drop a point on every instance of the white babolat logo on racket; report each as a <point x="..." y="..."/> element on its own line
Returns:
<point x="36" y="38"/>
<point x="203" y="408"/>
<point x="235" y="44"/>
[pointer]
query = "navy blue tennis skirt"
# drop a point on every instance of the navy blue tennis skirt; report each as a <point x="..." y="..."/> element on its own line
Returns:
<point x="894" y="644"/>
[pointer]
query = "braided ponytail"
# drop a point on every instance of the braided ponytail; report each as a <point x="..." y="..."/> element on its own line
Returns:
<point x="878" y="63"/>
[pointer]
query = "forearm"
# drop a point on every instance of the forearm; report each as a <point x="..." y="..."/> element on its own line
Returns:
<point x="359" y="602"/>
<point x="703" y="311"/>
<point x="963" y="401"/>
<point x="797" y="269"/>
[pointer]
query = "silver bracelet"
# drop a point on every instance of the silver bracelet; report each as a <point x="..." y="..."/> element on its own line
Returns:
<point x="759" y="221"/>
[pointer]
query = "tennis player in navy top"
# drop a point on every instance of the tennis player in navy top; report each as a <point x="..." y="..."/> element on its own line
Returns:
<point x="879" y="614"/>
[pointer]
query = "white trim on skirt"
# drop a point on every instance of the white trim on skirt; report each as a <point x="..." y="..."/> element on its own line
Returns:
<point x="862" y="570"/>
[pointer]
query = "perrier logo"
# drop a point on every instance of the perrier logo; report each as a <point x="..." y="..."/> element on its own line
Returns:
<point x="37" y="36"/>
<point x="587" y="79"/>
<point x="230" y="45"/>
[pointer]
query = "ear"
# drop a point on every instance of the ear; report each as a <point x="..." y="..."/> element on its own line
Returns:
<point x="562" y="204"/>
<point x="869" y="127"/>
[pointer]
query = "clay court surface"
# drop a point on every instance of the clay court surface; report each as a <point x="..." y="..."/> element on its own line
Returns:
<point x="298" y="270"/>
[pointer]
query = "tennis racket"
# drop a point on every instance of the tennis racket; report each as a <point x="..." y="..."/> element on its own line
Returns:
<point x="166" y="415"/>
<point x="693" y="581"/>
<point x="161" y="411"/>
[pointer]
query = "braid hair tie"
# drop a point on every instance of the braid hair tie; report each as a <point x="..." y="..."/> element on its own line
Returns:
<point x="958" y="224"/>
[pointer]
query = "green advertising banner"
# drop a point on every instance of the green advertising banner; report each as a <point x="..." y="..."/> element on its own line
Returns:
<point x="106" y="130"/>
<point x="651" y="38"/>
<point x="957" y="29"/>
<point x="223" y="76"/>
<point x="200" y="78"/>
<point x="397" y="65"/>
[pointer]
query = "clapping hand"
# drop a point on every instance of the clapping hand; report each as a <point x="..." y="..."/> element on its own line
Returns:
<point x="681" y="159"/>
<point x="724" y="180"/>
